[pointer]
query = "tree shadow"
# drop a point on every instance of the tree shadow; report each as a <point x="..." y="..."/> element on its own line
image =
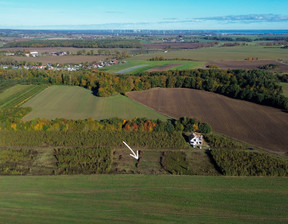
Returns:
<point x="217" y="168"/>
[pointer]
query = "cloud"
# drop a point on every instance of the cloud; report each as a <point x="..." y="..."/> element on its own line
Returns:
<point x="170" y="22"/>
<point x="170" y="19"/>
<point x="251" y="18"/>
<point x="176" y="20"/>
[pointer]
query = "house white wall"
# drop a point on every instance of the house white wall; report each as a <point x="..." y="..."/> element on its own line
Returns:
<point x="196" y="140"/>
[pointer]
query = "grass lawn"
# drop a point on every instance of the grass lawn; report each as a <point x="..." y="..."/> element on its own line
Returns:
<point x="72" y="102"/>
<point x="142" y="199"/>
<point x="222" y="53"/>
<point x="146" y="65"/>
<point x="285" y="88"/>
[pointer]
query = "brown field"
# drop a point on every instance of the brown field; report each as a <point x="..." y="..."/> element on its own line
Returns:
<point x="71" y="49"/>
<point x="106" y="52"/>
<point x="177" y="45"/>
<point x="162" y="68"/>
<point x="61" y="59"/>
<point x="258" y="125"/>
<point x="248" y="64"/>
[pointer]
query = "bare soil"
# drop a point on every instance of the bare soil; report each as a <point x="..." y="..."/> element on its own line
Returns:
<point x="61" y="59"/>
<point x="248" y="64"/>
<point x="162" y="68"/>
<point x="262" y="126"/>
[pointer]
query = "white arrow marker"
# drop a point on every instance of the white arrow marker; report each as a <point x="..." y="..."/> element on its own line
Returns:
<point x="136" y="156"/>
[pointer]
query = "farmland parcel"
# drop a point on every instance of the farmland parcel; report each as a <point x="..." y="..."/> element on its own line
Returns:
<point x="259" y="125"/>
<point x="79" y="103"/>
<point x="143" y="199"/>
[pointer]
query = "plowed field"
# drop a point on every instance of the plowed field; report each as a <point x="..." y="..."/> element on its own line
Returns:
<point x="259" y="125"/>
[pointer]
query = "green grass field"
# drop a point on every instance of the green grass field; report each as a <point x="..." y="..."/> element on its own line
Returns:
<point x="18" y="94"/>
<point x="285" y="88"/>
<point x="222" y="53"/>
<point x="79" y="103"/>
<point x="142" y="199"/>
<point x="152" y="64"/>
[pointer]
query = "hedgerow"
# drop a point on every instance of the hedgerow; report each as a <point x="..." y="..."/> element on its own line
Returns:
<point x="93" y="138"/>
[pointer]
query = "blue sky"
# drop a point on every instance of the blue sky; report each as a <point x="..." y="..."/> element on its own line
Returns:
<point x="149" y="14"/>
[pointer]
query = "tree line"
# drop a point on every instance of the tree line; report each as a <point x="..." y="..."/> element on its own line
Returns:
<point x="256" y="86"/>
<point x="107" y="43"/>
<point x="10" y="119"/>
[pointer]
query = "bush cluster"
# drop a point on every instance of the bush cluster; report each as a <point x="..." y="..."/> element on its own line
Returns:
<point x="175" y="162"/>
<point x="93" y="138"/>
<point x="244" y="163"/>
<point x="16" y="162"/>
<point x="83" y="160"/>
<point x="220" y="141"/>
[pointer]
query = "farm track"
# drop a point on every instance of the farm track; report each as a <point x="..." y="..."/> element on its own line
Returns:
<point x="130" y="69"/>
<point x="258" y="125"/>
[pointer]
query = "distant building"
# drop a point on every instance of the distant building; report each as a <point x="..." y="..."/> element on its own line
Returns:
<point x="196" y="140"/>
<point x="9" y="54"/>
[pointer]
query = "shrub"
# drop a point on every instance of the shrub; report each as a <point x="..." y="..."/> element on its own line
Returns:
<point x="204" y="128"/>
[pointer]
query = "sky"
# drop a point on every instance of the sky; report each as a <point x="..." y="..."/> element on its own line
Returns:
<point x="148" y="14"/>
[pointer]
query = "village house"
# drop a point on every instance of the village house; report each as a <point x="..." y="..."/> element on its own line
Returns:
<point x="34" y="54"/>
<point x="9" y="54"/>
<point x="196" y="140"/>
<point x="61" y="53"/>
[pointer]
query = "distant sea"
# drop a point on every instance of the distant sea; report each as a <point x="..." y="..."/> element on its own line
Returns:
<point x="147" y="32"/>
<point x="250" y="31"/>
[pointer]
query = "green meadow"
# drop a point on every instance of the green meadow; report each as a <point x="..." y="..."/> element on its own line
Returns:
<point x="72" y="102"/>
<point x="222" y="53"/>
<point x="146" y="65"/>
<point x="142" y="199"/>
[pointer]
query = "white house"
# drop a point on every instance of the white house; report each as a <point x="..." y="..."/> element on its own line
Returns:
<point x="9" y="54"/>
<point x="196" y="140"/>
<point x="34" y="54"/>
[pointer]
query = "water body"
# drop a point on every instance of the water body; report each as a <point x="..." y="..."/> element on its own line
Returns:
<point x="150" y="32"/>
<point x="250" y="32"/>
<point x="130" y="69"/>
